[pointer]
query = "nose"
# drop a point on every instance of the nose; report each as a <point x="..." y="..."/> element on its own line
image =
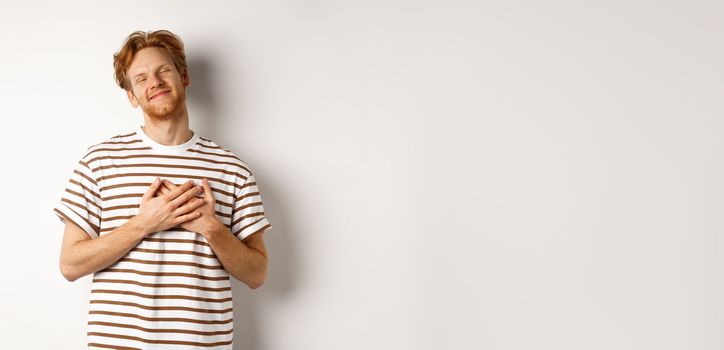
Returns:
<point x="154" y="80"/>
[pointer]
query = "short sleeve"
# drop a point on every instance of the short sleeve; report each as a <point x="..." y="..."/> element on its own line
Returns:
<point x="81" y="202"/>
<point x="248" y="215"/>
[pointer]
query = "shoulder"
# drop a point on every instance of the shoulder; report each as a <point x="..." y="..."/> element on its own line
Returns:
<point x="209" y="147"/>
<point x="119" y="140"/>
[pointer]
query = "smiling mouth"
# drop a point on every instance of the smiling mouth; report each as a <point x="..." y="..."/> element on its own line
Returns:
<point x="161" y="94"/>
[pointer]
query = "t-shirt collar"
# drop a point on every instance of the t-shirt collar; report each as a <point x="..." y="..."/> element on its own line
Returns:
<point x="176" y="149"/>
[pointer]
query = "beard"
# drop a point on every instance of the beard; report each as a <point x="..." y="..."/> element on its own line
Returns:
<point x="167" y="109"/>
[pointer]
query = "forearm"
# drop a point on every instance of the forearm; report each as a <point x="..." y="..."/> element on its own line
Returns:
<point x="246" y="264"/>
<point x="89" y="256"/>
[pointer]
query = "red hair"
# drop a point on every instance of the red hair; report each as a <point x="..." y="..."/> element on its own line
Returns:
<point x="139" y="40"/>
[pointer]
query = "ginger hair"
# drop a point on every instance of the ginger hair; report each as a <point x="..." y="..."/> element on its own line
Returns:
<point x="139" y="40"/>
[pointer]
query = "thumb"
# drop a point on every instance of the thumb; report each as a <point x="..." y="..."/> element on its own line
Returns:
<point x="208" y="196"/>
<point x="152" y="189"/>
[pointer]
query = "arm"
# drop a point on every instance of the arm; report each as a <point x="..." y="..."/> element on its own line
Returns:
<point x="246" y="260"/>
<point x="81" y="255"/>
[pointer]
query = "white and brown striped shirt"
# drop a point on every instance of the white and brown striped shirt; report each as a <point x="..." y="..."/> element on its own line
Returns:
<point x="169" y="291"/>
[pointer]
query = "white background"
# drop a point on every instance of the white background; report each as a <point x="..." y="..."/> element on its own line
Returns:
<point x="439" y="175"/>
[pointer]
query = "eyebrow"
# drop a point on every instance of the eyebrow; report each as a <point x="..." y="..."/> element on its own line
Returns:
<point x="159" y="67"/>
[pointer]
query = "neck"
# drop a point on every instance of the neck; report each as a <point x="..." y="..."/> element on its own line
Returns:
<point x="169" y="131"/>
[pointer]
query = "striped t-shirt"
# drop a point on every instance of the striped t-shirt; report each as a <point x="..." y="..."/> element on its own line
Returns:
<point x="170" y="291"/>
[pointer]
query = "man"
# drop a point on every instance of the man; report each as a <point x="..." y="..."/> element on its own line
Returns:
<point x="161" y="216"/>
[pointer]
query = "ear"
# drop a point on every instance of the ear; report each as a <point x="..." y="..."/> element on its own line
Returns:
<point x="186" y="79"/>
<point x="132" y="98"/>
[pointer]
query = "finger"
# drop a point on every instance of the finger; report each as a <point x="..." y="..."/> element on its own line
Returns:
<point x="167" y="188"/>
<point x="179" y="190"/>
<point x="189" y="206"/>
<point x="187" y="217"/>
<point x="164" y="190"/>
<point x="208" y="196"/>
<point x="152" y="189"/>
<point x="184" y="197"/>
<point x="170" y="185"/>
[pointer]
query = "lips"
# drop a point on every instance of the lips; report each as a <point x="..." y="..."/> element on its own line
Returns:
<point x="159" y="94"/>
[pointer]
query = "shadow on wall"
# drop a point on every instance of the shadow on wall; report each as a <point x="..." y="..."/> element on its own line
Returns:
<point x="201" y="96"/>
<point x="213" y="123"/>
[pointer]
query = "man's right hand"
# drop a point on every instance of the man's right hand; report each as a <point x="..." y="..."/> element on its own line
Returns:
<point x="168" y="210"/>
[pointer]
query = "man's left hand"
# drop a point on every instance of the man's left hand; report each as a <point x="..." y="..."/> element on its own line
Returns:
<point x="208" y="220"/>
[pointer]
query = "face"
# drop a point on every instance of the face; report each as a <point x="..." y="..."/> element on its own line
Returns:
<point x="156" y="85"/>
